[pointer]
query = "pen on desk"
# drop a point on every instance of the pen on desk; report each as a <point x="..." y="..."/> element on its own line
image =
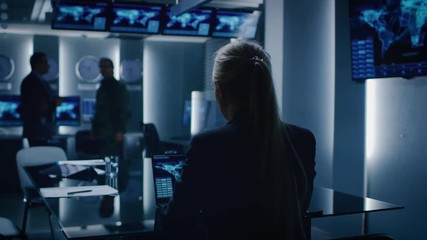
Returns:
<point x="82" y="191"/>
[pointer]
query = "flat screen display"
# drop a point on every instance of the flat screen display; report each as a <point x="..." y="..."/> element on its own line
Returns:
<point x="232" y="24"/>
<point x="10" y="110"/>
<point x="167" y="170"/>
<point x="68" y="112"/>
<point x="388" y="38"/>
<point x="192" y="23"/>
<point x="88" y="109"/>
<point x="80" y="15"/>
<point x="135" y="18"/>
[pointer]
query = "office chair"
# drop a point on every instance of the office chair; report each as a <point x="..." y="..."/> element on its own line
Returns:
<point x="9" y="230"/>
<point x="86" y="147"/>
<point x="151" y="139"/>
<point x="25" y="143"/>
<point x="32" y="156"/>
<point x="153" y="144"/>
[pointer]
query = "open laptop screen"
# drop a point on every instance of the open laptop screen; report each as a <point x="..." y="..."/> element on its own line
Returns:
<point x="167" y="170"/>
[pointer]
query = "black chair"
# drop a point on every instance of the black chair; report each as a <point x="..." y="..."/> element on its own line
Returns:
<point x="151" y="139"/>
<point x="153" y="144"/>
<point x="86" y="147"/>
<point x="33" y="156"/>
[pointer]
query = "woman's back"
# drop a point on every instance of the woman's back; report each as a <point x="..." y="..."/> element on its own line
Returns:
<point x="225" y="185"/>
<point x="253" y="176"/>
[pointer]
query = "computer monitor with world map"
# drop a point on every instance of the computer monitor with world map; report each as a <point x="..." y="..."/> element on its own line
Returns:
<point x="388" y="38"/>
<point x="80" y="15"/>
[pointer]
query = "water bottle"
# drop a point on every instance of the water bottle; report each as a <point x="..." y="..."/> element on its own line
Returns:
<point x="111" y="171"/>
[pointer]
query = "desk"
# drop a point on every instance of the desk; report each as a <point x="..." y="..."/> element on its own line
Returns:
<point x="334" y="203"/>
<point x="95" y="217"/>
<point x="124" y="214"/>
<point x="327" y="202"/>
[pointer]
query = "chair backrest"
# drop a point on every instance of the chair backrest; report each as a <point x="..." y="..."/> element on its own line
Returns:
<point x="33" y="156"/>
<point x="25" y="143"/>
<point x="86" y="146"/>
<point x="9" y="230"/>
<point x="152" y="140"/>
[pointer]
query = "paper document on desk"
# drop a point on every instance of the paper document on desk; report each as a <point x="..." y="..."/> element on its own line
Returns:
<point x="78" y="191"/>
<point x="90" y="162"/>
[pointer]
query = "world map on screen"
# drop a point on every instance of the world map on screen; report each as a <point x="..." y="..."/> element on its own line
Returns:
<point x="394" y="23"/>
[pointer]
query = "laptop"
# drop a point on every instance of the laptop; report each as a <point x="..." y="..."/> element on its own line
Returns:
<point x="72" y="171"/>
<point x="167" y="170"/>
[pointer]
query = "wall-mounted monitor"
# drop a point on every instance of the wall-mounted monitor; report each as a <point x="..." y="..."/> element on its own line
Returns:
<point x="88" y="109"/>
<point x="10" y="110"/>
<point x="80" y="15"/>
<point x="196" y="22"/>
<point x="388" y="38"/>
<point x="235" y="24"/>
<point x="68" y="112"/>
<point x="135" y="18"/>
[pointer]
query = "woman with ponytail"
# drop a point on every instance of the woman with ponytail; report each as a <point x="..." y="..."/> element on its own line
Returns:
<point x="253" y="177"/>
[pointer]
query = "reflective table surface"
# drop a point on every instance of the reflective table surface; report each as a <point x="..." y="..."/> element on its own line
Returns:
<point x="96" y="216"/>
<point x="328" y="202"/>
<point x="132" y="211"/>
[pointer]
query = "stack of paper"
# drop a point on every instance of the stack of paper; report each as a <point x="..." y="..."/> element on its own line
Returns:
<point x="78" y="191"/>
<point x="90" y="162"/>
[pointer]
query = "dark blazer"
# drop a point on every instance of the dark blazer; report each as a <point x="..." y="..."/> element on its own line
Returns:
<point x="38" y="107"/>
<point x="216" y="193"/>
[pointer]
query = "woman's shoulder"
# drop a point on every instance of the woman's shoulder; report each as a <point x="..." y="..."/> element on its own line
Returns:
<point x="302" y="138"/>
<point x="297" y="131"/>
<point x="217" y="135"/>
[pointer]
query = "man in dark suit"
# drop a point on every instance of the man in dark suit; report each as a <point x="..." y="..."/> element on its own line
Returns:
<point x="111" y="111"/>
<point x="38" y="103"/>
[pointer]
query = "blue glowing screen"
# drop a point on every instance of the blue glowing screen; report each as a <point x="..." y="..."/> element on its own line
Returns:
<point x="80" y="15"/>
<point x="193" y="23"/>
<point x="388" y="38"/>
<point x="230" y="24"/>
<point x="167" y="170"/>
<point x="135" y="18"/>
<point x="68" y="112"/>
<point x="10" y="110"/>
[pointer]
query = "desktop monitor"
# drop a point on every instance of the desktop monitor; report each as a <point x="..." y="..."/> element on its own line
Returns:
<point x="234" y="24"/>
<point x="10" y="110"/>
<point x="388" y="38"/>
<point x="80" y="15"/>
<point x="68" y="112"/>
<point x="196" y="22"/>
<point x="88" y="109"/>
<point x="205" y="112"/>
<point x="135" y="18"/>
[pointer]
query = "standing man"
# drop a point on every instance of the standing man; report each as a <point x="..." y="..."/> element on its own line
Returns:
<point x="38" y="103"/>
<point x="111" y="111"/>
